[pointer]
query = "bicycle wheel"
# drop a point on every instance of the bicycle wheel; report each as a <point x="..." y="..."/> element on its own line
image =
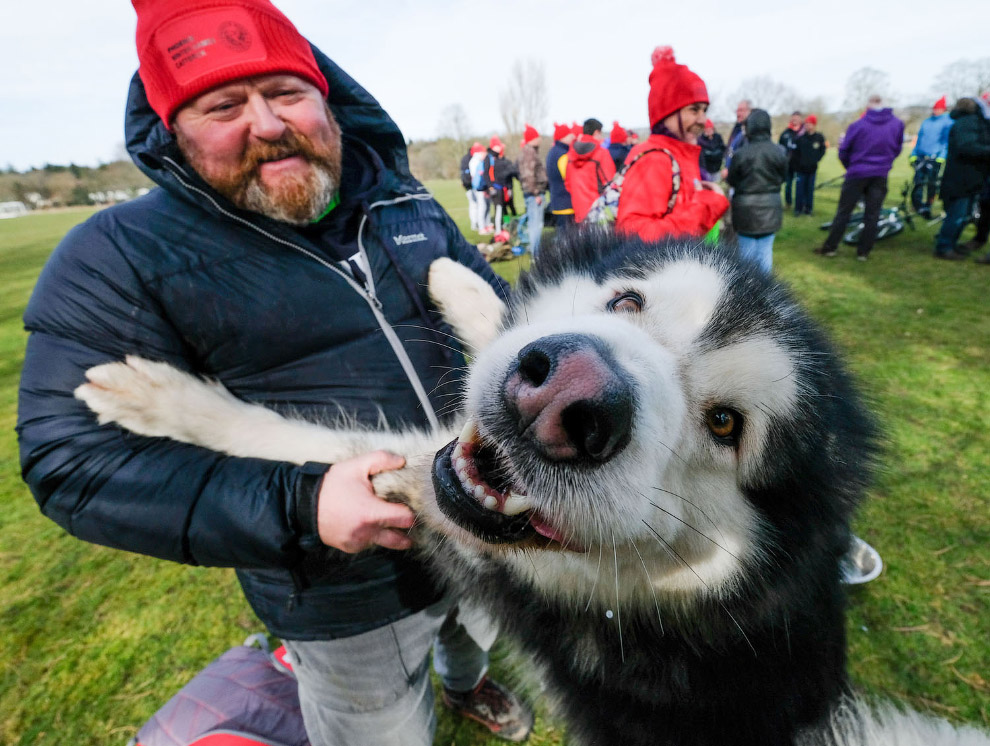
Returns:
<point x="852" y="235"/>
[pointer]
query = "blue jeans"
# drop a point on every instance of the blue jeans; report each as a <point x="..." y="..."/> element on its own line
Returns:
<point x="957" y="212"/>
<point x="374" y="688"/>
<point x="757" y="250"/>
<point x="534" y="222"/>
<point x="804" y="192"/>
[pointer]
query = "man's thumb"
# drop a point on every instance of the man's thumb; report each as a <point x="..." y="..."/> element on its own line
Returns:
<point x="379" y="461"/>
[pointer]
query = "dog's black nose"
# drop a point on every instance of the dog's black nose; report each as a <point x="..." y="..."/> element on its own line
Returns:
<point x="567" y="394"/>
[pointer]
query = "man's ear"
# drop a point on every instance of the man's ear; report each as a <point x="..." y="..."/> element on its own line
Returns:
<point x="468" y="303"/>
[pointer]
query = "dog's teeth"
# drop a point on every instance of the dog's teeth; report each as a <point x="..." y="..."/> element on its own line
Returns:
<point x="458" y="452"/>
<point x="479" y="492"/>
<point x="460" y="465"/>
<point x="515" y="504"/>
<point x="491" y="502"/>
<point x="469" y="433"/>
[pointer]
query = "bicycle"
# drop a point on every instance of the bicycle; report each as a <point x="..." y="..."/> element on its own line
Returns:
<point x="890" y="221"/>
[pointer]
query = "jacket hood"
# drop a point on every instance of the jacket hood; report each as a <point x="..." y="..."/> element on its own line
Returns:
<point x="758" y="125"/>
<point x="964" y="107"/>
<point x="879" y="116"/>
<point x="360" y="117"/>
<point x="584" y="146"/>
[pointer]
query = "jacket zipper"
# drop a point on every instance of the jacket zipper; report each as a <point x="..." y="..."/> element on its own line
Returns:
<point x="367" y="293"/>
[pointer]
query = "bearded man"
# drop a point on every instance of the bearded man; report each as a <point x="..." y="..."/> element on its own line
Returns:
<point x="285" y="254"/>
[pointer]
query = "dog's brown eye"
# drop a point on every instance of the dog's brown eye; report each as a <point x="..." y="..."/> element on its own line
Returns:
<point x="724" y="423"/>
<point x="628" y="302"/>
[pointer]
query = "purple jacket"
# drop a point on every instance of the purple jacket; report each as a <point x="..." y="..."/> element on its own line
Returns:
<point x="871" y="144"/>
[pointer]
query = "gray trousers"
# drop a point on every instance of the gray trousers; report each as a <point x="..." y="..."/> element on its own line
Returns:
<point x="374" y="688"/>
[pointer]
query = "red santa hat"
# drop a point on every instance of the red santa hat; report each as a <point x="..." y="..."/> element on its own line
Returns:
<point x="618" y="135"/>
<point x="576" y="129"/>
<point x="495" y="144"/>
<point x="187" y="47"/>
<point x="560" y="131"/>
<point x="811" y="119"/>
<point x="709" y="124"/>
<point x="477" y="148"/>
<point x="672" y="86"/>
<point x="529" y="134"/>
<point x="940" y="104"/>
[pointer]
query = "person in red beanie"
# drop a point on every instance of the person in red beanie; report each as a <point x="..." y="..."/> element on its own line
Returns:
<point x="284" y="254"/>
<point x="500" y="171"/>
<point x="928" y="157"/>
<point x="663" y="194"/>
<point x="807" y="150"/>
<point x="618" y="145"/>
<point x="556" y="166"/>
<point x="477" y="204"/>
<point x="533" y="179"/>
<point x="589" y="168"/>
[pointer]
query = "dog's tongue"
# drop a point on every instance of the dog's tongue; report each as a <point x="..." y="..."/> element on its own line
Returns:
<point x="545" y="529"/>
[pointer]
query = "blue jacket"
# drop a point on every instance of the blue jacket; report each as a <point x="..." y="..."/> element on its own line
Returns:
<point x="933" y="138"/>
<point x="560" y="198"/>
<point x="183" y="276"/>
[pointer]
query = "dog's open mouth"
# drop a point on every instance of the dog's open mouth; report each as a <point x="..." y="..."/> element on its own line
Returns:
<point x="475" y="490"/>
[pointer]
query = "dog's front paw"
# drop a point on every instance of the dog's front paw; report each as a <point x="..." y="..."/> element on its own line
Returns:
<point x="140" y="395"/>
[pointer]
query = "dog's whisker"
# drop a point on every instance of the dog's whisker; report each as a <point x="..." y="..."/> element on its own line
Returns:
<point x="688" y="525"/>
<point x="649" y="583"/>
<point x="693" y="505"/>
<point x="618" y="604"/>
<point x="702" y="581"/>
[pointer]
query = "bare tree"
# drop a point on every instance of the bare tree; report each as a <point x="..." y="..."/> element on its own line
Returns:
<point x="454" y="124"/>
<point x="963" y="78"/>
<point x="525" y="98"/>
<point x="765" y="93"/>
<point x="866" y="82"/>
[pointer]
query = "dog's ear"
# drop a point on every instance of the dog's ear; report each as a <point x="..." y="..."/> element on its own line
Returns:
<point x="468" y="303"/>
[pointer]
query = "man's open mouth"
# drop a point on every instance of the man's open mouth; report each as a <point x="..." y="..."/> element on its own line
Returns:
<point x="474" y="489"/>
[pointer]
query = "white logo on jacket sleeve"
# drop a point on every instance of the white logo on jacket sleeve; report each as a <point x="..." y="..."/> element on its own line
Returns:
<point x="412" y="238"/>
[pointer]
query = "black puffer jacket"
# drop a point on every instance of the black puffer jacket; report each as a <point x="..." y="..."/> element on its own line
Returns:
<point x="756" y="173"/>
<point x="967" y="164"/>
<point x="181" y="275"/>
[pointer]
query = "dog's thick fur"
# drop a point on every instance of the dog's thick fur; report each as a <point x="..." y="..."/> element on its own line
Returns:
<point x="682" y="450"/>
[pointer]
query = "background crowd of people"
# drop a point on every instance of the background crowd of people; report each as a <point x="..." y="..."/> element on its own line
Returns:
<point x="690" y="175"/>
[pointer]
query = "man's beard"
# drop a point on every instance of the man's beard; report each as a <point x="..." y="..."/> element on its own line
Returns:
<point x="298" y="199"/>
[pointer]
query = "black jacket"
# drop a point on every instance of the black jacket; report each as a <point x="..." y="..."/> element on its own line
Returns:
<point x="183" y="276"/>
<point x="756" y="173"/>
<point x="967" y="164"/>
<point x="466" y="171"/>
<point x="788" y="141"/>
<point x="712" y="152"/>
<point x="809" y="149"/>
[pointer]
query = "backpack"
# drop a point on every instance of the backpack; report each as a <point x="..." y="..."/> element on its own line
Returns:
<point x="466" y="171"/>
<point x="246" y="697"/>
<point x="605" y="209"/>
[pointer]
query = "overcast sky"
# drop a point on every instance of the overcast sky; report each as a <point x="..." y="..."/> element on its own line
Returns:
<point x="66" y="64"/>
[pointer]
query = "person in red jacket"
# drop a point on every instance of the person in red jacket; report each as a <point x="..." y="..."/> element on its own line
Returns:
<point x="653" y="202"/>
<point x="589" y="168"/>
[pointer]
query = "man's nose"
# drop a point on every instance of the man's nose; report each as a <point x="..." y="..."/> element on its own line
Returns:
<point x="265" y="123"/>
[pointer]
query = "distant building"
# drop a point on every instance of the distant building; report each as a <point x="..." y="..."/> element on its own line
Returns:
<point x="12" y="209"/>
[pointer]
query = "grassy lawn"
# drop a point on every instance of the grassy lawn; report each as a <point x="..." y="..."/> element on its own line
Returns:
<point x="93" y="641"/>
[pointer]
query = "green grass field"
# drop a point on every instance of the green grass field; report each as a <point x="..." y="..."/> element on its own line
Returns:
<point x="93" y="641"/>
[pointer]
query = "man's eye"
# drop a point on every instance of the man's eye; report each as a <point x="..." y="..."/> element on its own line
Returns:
<point x="628" y="302"/>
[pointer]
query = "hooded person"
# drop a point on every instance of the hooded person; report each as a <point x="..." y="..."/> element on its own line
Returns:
<point x="589" y="169"/>
<point x="712" y="151"/>
<point x="755" y="175"/>
<point x="867" y="151"/>
<point x="967" y="170"/>
<point x="663" y="194"/>
<point x="928" y="157"/>
<point x="284" y="254"/>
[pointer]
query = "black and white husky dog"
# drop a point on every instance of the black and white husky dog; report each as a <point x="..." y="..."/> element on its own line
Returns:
<point x="650" y="488"/>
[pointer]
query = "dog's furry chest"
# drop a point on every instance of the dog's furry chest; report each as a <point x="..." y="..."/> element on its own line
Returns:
<point x="687" y="682"/>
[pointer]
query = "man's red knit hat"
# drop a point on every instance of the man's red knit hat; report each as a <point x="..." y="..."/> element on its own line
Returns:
<point x="187" y="47"/>
<point x="560" y="131"/>
<point x="811" y="119"/>
<point x="940" y="104"/>
<point x="477" y="148"/>
<point x="576" y="129"/>
<point x="529" y="134"/>
<point x="617" y="135"/>
<point x="672" y="86"/>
